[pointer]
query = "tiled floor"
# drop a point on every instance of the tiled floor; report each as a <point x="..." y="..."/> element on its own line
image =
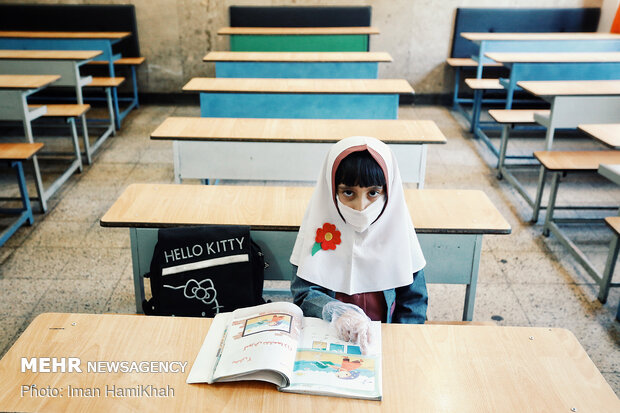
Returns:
<point x="67" y="263"/>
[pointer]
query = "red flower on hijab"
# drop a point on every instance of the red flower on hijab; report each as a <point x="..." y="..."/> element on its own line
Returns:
<point x="326" y="238"/>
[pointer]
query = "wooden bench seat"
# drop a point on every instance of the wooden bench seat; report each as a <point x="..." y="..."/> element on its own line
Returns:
<point x="63" y="110"/>
<point x="125" y="61"/>
<point x="576" y="160"/>
<point x="106" y="82"/>
<point x="19" y="151"/>
<point x="614" y="224"/>
<point x="606" y="133"/>
<point x="513" y="116"/>
<point x="468" y="62"/>
<point x="484" y="84"/>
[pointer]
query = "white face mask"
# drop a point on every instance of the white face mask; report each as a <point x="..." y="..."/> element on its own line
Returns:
<point x="361" y="220"/>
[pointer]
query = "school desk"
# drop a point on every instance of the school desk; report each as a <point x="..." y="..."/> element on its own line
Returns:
<point x="67" y="64"/>
<point x="573" y="102"/>
<point x="558" y="164"/>
<point x="612" y="172"/>
<point x="298" y="39"/>
<point x="14" y="91"/>
<point x="299" y="98"/>
<point x="303" y="65"/>
<point x="285" y="149"/>
<point x="539" y="42"/>
<point x="606" y="133"/>
<point x="547" y="66"/>
<point x="450" y="224"/>
<point x="426" y="368"/>
<point x="53" y="40"/>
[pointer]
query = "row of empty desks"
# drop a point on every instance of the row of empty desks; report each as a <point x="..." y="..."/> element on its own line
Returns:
<point x="540" y="42"/>
<point x="286" y="149"/>
<point x="450" y="224"/>
<point x="47" y="40"/>
<point x="572" y="103"/>
<point x="67" y="64"/>
<point x="299" y="39"/>
<point x="453" y="368"/>
<point x="14" y="91"/>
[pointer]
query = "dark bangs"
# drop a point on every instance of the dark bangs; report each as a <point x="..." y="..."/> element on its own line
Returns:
<point x="359" y="169"/>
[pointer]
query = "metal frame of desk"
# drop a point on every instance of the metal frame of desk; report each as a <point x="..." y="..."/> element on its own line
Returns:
<point x="105" y="45"/>
<point x="69" y="70"/>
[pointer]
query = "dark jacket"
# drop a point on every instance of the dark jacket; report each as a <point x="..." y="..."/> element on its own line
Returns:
<point x="410" y="302"/>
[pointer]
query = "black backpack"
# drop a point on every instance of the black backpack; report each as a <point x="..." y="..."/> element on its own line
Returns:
<point x="205" y="270"/>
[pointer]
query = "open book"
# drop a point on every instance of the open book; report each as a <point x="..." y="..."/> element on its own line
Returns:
<point x="274" y="342"/>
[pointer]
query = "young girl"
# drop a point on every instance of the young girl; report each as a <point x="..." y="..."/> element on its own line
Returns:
<point x="357" y="255"/>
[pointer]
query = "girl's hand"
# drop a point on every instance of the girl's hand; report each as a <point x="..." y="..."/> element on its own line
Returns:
<point x="350" y="322"/>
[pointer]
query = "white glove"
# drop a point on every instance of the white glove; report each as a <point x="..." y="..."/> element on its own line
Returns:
<point x="350" y="322"/>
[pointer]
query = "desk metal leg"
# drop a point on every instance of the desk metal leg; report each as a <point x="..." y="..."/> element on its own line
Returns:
<point x="176" y="161"/>
<point x="555" y="182"/>
<point x="25" y="213"/>
<point x="470" y="289"/>
<point x="610" y="266"/>
<point x="23" y="192"/>
<point x="457" y="80"/>
<point x="608" y="273"/>
<point x="539" y="193"/>
<point x="134" y="82"/>
<point x="503" y="146"/>
<point x="35" y="163"/>
<point x="475" y="112"/>
<point x="87" y="150"/>
<point x="140" y="238"/>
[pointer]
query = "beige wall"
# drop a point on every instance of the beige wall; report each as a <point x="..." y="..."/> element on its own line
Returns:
<point x="176" y="34"/>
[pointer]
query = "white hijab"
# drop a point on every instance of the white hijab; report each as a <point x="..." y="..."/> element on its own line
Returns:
<point x="384" y="256"/>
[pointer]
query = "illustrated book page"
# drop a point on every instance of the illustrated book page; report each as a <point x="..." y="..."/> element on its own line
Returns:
<point x="254" y="343"/>
<point x="329" y="366"/>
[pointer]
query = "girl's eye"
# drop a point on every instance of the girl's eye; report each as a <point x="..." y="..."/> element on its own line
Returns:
<point x="347" y="193"/>
<point x="373" y="193"/>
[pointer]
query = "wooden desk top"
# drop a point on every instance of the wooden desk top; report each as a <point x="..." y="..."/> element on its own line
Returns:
<point x="19" y="151"/>
<point x="292" y="31"/>
<point x="297" y="57"/>
<point x="63" y="35"/>
<point x="297" y="130"/>
<point x="576" y="160"/>
<point x="599" y="57"/>
<point x="606" y="133"/>
<point x="26" y="81"/>
<point x="282" y="208"/>
<point x="539" y="36"/>
<point x="453" y="368"/>
<point x="346" y="86"/>
<point x="572" y="87"/>
<point x="49" y="54"/>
